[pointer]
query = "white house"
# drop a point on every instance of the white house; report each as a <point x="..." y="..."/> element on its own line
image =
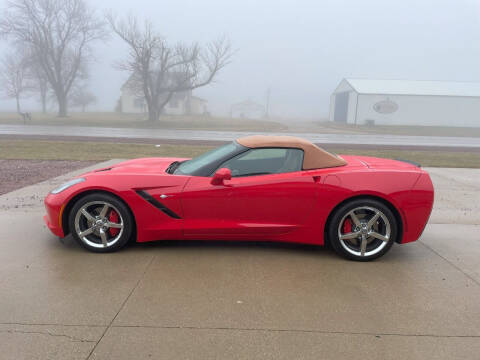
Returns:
<point x="406" y="102"/>
<point x="181" y="103"/>
<point x="247" y="109"/>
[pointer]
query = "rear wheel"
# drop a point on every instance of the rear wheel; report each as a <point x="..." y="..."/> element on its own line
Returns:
<point x="363" y="230"/>
<point x="100" y="223"/>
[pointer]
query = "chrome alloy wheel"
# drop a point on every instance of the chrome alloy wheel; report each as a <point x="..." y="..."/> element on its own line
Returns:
<point x="364" y="231"/>
<point x="94" y="225"/>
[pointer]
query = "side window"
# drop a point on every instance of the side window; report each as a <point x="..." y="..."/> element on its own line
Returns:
<point x="265" y="161"/>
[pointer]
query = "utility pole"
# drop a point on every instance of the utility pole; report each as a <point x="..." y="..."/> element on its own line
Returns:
<point x="267" y="105"/>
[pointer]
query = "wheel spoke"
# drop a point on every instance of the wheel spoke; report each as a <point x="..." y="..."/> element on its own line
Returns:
<point x="363" y="245"/>
<point x="354" y="217"/>
<point x="379" y="236"/>
<point x="88" y="215"/>
<point x="86" y="232"/>
<point x="349" y="236"/>
<point x="104" y="211"/>
<point x="364" y="231"/>
<point x="114" y="225"/>
<point x="372" y="221"/>
<point x="103" y="236"/>
<point x="99" y="224"/>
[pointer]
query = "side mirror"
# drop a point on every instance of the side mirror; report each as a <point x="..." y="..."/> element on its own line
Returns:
<point x="221" y="175"/>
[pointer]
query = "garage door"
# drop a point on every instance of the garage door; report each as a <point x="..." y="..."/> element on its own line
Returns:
<point x="341" y="107"/>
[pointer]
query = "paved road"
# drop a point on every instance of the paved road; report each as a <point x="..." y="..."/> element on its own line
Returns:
<point x="394" y="140"/>
<point x="241" y="301"/>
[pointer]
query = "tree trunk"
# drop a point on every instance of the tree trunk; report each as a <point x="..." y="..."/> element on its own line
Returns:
<point x="62" y="105"/>
<point x="153" y="115"/>
<point x="43" y="99"/>
<point x="153" y="111"/>
<point x="17" y="98"/>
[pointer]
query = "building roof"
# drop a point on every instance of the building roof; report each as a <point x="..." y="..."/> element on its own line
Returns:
<point x="415" y="87"/>
<point x="313" y="156"/>
<point x="193" y="97"/>
<point x="171" y="78"/>
<point x="248" y="104"/>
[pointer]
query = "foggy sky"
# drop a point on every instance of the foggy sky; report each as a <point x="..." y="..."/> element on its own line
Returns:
<point x="302" y="49"/>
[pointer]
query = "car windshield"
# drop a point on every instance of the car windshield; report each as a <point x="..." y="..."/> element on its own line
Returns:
<point x="190" y="167"/>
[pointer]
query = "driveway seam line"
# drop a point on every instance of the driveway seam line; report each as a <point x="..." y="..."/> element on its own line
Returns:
<point x="50" y="324"/>
<point x="451" y="264"/>
<point x="47" y="333"/>
<point x="122" y="306"/>
<point x="255" y="329"/>
<point x="293" y="330"/>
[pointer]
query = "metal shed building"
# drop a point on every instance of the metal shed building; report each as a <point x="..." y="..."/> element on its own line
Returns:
<point x="406" y="102"/>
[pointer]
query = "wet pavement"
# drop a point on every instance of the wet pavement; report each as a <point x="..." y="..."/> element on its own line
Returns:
<point x="185" y="300"/>
<point x="203" y="135"/>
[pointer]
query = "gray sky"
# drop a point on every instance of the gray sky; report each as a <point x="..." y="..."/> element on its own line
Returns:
<point x="302" y="49"/>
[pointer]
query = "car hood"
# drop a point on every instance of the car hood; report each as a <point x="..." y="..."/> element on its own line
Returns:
<point x="139" y="166"/>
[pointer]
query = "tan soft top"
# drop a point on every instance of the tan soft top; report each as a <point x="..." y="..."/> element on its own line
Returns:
<point x="313" y="158"/>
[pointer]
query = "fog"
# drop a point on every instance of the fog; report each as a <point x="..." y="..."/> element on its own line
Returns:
<point x="301" y="49"/>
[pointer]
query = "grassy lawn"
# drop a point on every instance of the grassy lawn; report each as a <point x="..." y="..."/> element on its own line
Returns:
<point x="453" y="159"/>
<point x="70" y="150"/>
<point x="119" y="120"/>
<point x="397" y="129"/>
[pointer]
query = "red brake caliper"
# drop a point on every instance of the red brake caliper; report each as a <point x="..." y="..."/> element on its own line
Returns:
<point x="347" y="226"/>
<point x="114" y="218"/>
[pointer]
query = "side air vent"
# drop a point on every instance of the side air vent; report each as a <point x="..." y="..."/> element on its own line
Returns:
<point x="157" y="204"/>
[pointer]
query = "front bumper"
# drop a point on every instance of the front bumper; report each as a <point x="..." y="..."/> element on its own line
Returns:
<point x="54" y="204"/>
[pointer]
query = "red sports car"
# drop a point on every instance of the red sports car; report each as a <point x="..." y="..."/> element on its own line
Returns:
<point x="276" y="188"/>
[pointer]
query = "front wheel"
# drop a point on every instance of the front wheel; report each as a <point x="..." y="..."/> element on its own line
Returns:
<point x="363" y="230"/>
<point x="100" y="223"/>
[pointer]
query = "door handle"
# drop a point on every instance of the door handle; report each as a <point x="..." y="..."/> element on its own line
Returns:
<point x="316" y="179"/>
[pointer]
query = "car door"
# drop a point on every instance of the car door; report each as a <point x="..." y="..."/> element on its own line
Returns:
<point x="265" y="197"/>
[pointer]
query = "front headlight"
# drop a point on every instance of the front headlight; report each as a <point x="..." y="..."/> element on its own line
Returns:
<point x="67" y="185"/>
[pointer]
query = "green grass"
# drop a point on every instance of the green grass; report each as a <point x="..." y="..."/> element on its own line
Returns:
<point x="99" y="151"/>
<point x="119" y="120"/>
<point x="73" y="150"/>
<point x="453" y="159"/>
<point x="397" y="129"/>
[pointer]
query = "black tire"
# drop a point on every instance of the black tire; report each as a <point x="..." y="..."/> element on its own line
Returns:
<point x="348" y="248"/>
<point x="95" y="202"/>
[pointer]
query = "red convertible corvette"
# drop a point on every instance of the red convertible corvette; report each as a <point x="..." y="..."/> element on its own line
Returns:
<point x="277" y="188"/>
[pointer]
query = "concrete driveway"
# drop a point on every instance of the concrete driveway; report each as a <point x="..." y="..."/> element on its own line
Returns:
<point x="242" y="301"/>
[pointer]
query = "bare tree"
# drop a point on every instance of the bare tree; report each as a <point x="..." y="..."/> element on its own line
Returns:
<point x="82" y="98"/>
<point x="14" y="77"/>
<point x="39" y="81"/>
<point x="159" y="69"/>
<point x="42" y="86"/>
<point x="59" y="34"/>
